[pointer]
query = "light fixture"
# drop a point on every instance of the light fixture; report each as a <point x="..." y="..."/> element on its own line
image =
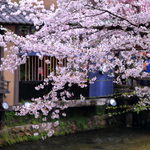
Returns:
<point x="111" y="102"/>
<point x="4" y="105"/>
<point x="27" y="104"/>
<point x="104" y="68"/>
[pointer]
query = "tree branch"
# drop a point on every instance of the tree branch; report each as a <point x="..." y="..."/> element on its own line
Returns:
<point x="113" y="15"/>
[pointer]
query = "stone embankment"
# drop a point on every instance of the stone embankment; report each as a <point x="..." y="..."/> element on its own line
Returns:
<point x="27" y="132"/>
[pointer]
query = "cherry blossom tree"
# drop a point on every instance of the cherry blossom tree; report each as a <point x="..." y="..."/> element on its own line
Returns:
<point x="89" y="34"/>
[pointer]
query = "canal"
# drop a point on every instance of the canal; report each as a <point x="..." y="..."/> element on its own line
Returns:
<point x="106" y="139"/>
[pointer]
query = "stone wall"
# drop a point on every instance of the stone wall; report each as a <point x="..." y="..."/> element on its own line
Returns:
<point x="27" y="132"/>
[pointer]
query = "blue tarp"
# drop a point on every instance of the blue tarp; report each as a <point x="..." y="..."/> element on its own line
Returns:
<point x="102" y="87"/>
<point x="30" y="54"/>
<point x="148" y="67"/>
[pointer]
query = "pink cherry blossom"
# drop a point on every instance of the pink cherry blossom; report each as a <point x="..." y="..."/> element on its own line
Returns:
<point x="87" y="34"/>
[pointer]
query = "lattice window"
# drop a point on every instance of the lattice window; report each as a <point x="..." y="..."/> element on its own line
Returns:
<point x="36" y="69"/>
<point x="24" y="30"/>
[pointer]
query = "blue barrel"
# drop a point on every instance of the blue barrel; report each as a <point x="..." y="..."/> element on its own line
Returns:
<point x="102" y="87"/>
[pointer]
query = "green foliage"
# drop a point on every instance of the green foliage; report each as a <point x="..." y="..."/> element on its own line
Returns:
<point x="73" y="122"/>
<point x="65" y="124"/>
<point x="76" y="115"/>
<point x="99" y="110"/>
<point x="76" y="120"/>
<point x="81" y="123"/>
<point x="9" y="115"/>
<point x="12" y="120"/>
<point x="63" y="128"/>
<point x="12" y="139"/>
<point x="145" y="147"/>
<point x="117" y="110"/>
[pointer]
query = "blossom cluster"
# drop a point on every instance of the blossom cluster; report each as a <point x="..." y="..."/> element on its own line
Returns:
<point x="88" y="34"/>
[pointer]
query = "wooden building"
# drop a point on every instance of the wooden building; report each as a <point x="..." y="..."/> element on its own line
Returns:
<point x="9" y="85"/>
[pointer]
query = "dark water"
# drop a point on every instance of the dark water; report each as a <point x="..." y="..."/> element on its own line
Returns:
<point x="110" y="139"/>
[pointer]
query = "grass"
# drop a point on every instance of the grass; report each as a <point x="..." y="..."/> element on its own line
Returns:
<point x="99" y="110"/>
<point x="145" y="147"/>
<point x="78" y="115"/>
<point x="12" y="120"/>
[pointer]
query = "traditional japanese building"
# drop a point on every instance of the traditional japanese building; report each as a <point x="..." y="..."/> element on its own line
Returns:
<point x="9" y="85"/>
<point x="34" y="70"/>
<point x="29" y="74"/>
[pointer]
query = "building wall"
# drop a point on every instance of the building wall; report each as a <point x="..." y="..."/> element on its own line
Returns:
<point x="47" y="3"/>
<point x="12" y="97"/>
<point x="9" y="97"/>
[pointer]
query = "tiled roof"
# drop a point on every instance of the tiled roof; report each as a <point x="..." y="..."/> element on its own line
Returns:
<point x="7" y="18"/>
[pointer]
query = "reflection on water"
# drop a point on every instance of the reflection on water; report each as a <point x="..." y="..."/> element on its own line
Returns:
<point x="110" y="139"/>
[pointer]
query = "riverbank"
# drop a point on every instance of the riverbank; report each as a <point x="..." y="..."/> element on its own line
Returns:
<point x="78" y="120"/>
<point x="103" y="139"/>
<point x="9" y="136"/>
